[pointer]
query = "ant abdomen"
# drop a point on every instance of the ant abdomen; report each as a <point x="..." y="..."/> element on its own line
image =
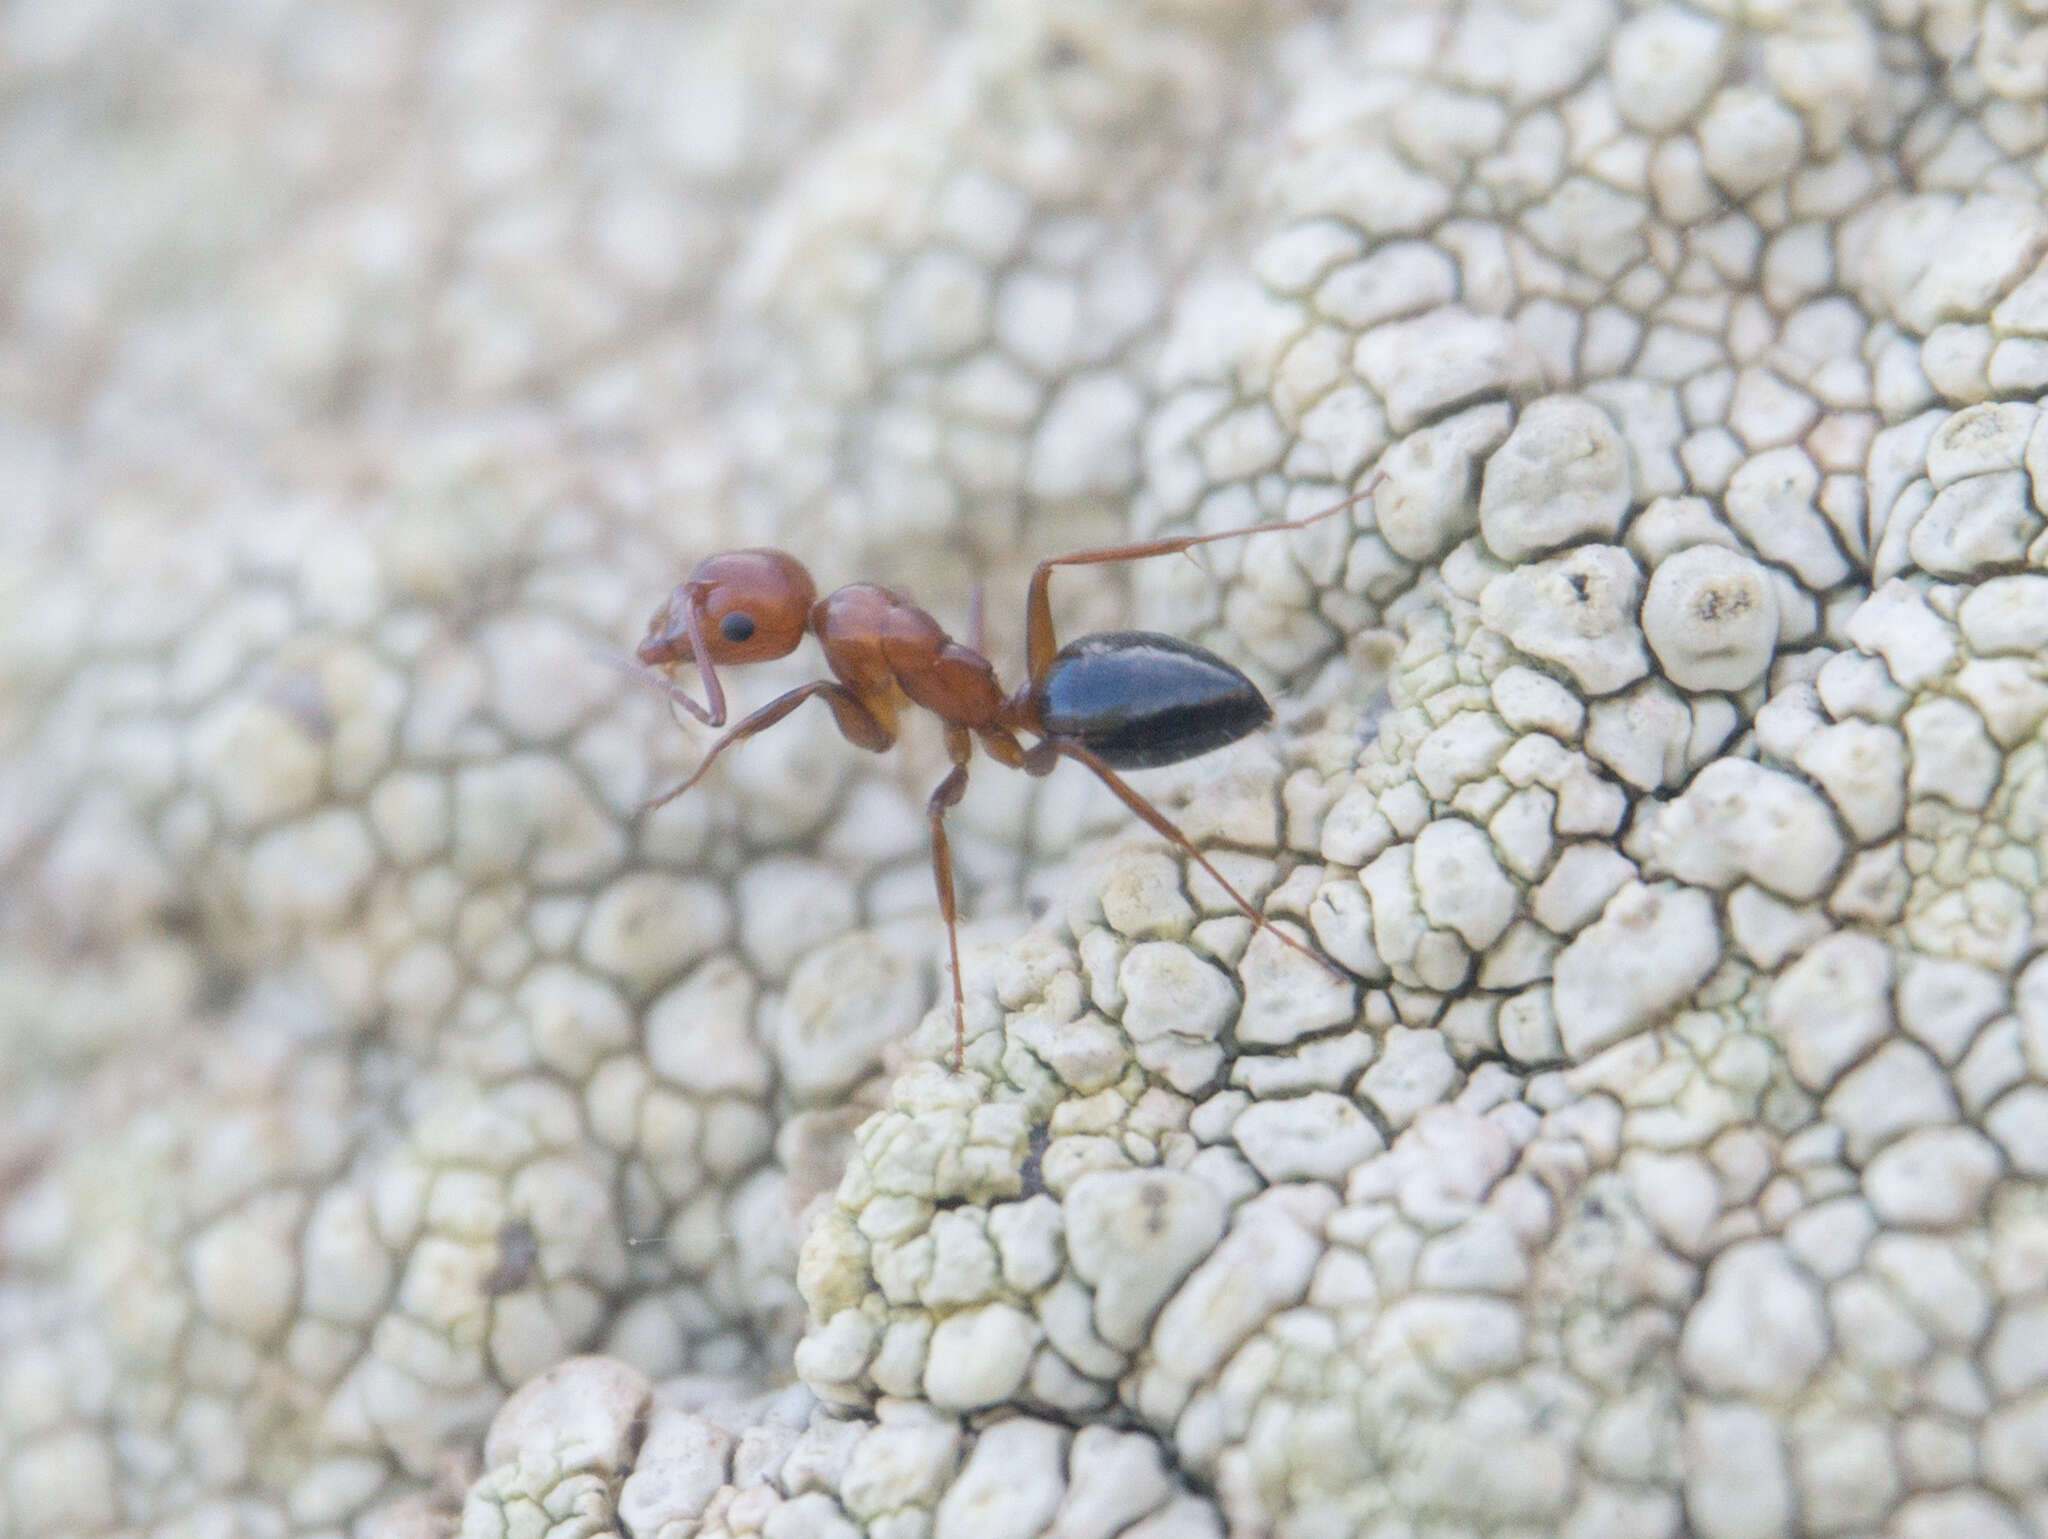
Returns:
<point x="1138" y="699"/>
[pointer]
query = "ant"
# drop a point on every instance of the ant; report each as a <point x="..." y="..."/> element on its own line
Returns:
<point x="1109" y="701"/>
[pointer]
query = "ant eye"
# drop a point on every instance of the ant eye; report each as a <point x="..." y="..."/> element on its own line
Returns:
<point x="737" y="627"/>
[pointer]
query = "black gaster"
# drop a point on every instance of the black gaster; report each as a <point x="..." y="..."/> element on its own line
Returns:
<point x="1138" y="700"/>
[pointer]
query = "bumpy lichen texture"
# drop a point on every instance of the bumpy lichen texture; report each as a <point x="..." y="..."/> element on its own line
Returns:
<point x="1664" y="758"/>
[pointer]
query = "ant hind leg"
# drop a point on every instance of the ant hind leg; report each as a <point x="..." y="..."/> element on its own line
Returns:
<point x="1040" y="645"/>
<point x="1042" y="756"/>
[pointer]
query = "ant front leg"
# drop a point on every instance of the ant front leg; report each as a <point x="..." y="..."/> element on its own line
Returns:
<point x="1041" y="646"/>
<point x="857" y="724"/>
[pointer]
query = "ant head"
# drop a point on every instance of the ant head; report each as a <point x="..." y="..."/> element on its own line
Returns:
<point x="746" y="606"/>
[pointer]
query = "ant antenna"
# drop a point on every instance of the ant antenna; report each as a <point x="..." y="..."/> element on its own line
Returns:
<point x="647" y="678"/>
<point x="714" y="694"/>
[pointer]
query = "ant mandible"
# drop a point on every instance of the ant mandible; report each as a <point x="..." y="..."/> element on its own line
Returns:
<point x="1110" y="701"/>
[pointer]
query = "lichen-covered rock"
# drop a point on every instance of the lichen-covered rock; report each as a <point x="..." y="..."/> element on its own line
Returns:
<point x="401" y="1132"/>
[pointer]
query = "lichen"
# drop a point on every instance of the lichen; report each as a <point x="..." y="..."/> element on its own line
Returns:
<point x="1662" y="756"/>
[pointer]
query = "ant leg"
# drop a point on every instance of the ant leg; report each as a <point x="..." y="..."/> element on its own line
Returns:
<point x="857" y="724"/>
<point x="947" y="796"/>
<point x="1039" y="644"/>
<point x="1041" y="757"/>
<point x="1003" y="747"/>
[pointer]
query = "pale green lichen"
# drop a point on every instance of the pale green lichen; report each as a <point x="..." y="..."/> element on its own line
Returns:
<point x="1662" y="756"/>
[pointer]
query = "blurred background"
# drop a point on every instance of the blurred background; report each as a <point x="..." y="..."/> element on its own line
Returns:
<point x="362" y="1051"/>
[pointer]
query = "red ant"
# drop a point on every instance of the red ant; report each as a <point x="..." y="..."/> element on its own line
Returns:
<point x="1110" y="701"/>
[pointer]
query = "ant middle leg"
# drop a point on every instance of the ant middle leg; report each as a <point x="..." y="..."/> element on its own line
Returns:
<point x="1041" y="646"/>
<point x="943" y="798"/>
<point x="1040" y="758"/>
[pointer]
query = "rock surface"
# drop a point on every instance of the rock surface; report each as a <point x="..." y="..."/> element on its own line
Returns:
<point x="402" y="1132"/>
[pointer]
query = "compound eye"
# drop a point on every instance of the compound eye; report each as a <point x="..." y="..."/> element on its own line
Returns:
<point x="737" y="627"/>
